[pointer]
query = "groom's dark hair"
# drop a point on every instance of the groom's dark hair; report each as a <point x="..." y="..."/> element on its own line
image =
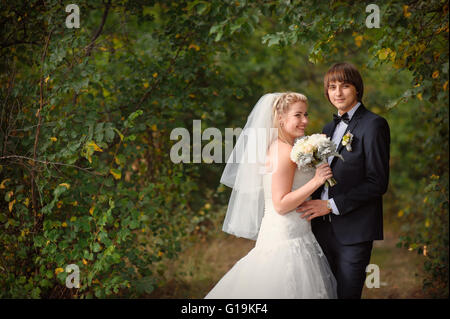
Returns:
<point x="346" y="73"/>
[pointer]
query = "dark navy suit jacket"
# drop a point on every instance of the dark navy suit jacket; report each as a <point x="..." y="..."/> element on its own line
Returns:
<point x="362" y="178"/>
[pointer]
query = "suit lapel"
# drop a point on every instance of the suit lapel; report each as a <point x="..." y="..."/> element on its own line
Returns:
<point x="351" y="126"/>
<point x="329" y="132"/>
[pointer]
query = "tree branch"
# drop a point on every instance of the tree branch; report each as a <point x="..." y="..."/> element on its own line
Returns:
<point x="99" y="30"/>
<point x="36" y="138"/>
<point x="48" y="162"/>
<point x="18" y="42"/>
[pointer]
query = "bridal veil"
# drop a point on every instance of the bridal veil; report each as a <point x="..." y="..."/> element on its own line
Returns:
<point x="245" y="168"/>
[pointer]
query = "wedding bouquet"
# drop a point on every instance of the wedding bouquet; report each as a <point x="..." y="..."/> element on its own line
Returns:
<point x="313" y="150"/>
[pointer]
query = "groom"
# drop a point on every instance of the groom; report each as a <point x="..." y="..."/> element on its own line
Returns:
<point x="347" y="217"/>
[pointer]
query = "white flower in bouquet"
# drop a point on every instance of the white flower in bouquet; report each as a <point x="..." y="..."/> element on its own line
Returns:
<point x="311" y="151"/>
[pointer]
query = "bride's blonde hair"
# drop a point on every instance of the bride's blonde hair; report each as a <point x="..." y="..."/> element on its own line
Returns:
<point x="281" y="106"/>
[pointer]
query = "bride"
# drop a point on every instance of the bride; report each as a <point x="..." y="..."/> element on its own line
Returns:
<point x="286" y="262"/>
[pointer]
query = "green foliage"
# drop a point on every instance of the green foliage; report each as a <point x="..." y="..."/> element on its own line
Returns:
<point x="413" y="41"/>
<point x="101" y="191"/>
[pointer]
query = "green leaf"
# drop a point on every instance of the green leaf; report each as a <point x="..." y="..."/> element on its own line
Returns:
<point x="218" y="36"/>
<point x="134" y="224"/>
<point x="109" y="134"/>
<point x="59" y="190"/>
<point x="118" y="132"/>
<point x="99" y="132"/>
<point x="96" y="247"/>
<point x="215" y="28"/>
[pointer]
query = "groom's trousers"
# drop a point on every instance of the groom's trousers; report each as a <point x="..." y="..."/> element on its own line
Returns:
<point x="347" y="262"/>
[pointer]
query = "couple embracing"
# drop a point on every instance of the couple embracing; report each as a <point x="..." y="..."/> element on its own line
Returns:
<point x="312" y="241"/>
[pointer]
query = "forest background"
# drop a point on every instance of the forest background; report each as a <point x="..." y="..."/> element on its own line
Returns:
<point x="87" y="113"/>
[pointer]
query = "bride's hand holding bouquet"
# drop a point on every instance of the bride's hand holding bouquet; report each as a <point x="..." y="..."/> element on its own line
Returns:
<point x="312" y="151"/>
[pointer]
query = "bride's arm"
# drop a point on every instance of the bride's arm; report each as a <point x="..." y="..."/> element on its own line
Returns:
<point x="284" y="200"/>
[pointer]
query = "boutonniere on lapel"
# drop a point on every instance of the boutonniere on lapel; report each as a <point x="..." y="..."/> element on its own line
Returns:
<point x="347" y="141"/>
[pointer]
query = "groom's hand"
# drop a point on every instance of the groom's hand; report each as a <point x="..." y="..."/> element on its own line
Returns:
<point x="313" y="208"/>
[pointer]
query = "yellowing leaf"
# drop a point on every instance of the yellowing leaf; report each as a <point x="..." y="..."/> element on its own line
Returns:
<point x="64" y="224"/>
<point x="54" y="139"/>
<point x="405" y="11"/>
<point x="118" y="132"/>
<point x="2" y="185"/>
<point x="116" y="159"/>
<point x="444" y="87"/>
<point x="146" y="85"/>
<point x="47" y="78"/>
<point x="11" y="204"/>
<point x="95" y="146"/>
<point x="383" y="53"/>
<point x="435" y="74"/>
<point x="392" y="55"/>
<point x="58" y="270"/>
<point x="65" y="185"/>
<point x="419" y="96"/>
<point x="115" y="173"/>
<point x="358" y="40"/>
<point x="155" y="75"/>
<point x="194" y="46"/>
<point x="154" y="128"/>
<point x="84" y="261"/>
<point x="420" y="47"/>
<point x="400" y="213"/>
<point x="91" y="210"/>
<point x="427" y="223"/>
<point x="27" y="201"/>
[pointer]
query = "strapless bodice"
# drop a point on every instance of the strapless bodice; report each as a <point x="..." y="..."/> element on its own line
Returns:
<point x="276" y="227"/>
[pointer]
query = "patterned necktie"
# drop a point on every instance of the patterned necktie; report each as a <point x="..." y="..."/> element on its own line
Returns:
<point x="344" y="118"/>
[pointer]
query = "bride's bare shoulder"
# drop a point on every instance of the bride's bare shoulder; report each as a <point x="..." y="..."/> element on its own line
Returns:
<point x="280" y="155"/>
<point x="280" y="148"/>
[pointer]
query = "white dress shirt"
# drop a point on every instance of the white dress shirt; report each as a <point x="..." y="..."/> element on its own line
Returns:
<point x="337" y="137"/>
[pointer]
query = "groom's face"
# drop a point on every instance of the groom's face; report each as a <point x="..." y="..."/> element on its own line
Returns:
<point x="342" y="95"/>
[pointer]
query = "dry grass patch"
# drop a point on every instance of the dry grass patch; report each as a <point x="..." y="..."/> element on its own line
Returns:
<point x="195" y="272"/>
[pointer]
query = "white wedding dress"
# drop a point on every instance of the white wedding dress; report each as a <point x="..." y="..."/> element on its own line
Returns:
<point x="286" y="262"/>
